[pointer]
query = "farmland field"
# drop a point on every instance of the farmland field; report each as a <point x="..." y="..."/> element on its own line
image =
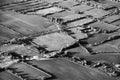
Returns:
<point x="63" y="72"/>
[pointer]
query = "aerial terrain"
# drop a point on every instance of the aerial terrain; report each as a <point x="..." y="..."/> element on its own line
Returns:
<point x="59" y="40"/>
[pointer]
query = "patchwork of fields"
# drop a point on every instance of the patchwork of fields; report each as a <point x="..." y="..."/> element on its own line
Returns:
<point x="59" y="40"/>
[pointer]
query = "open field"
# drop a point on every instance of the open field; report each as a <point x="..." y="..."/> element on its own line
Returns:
<point x="29" y="72"/>
<point x="8" y="76"/>
<point x="50" y="41"/>
<point x="73" y="72"/>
